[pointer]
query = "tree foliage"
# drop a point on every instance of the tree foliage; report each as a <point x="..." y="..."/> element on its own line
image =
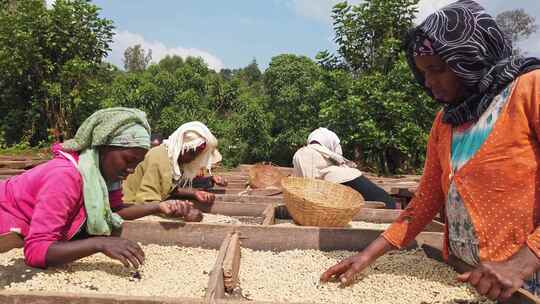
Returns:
<point x="382" y="115"/>
<point x="136" y="59"/>
<point x="53" y="77"/>
<point x="517" y="25"/>
<point x="49" y="60"/>
<point x="368" y="35"/>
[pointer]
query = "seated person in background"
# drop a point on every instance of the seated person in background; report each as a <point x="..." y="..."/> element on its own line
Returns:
<point x="156" y="139"/>
<point x="168" y="170"/>
<point x="323" y="159"/>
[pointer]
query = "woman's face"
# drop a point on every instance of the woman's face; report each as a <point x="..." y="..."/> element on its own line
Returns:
<point x="117" y="163"/>
<point x="444" y="84"/>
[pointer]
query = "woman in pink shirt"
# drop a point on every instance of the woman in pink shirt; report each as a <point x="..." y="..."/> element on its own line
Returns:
<point x="63" y="209"/>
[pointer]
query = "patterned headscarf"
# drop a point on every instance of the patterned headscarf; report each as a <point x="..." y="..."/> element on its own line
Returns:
<point x="120" y="127"/>
<point x="471" y="43"/>
<point x="422" y="46"/>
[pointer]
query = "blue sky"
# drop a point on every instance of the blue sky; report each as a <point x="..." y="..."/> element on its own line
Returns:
<point x="230" y="33"/>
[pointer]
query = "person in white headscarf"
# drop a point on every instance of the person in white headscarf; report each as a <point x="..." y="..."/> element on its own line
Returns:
<point x="169" y="170"/>
<point x="322" y="158"/>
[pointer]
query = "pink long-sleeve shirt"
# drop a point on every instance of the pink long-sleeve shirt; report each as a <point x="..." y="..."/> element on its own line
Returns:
<point x="45" y="204"/>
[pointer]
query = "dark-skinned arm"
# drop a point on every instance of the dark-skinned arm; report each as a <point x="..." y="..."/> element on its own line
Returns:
<point x="170" y="208"/>
<point x="194" y="194"/>
<point x="347" y="269"/>
<point x="183" y="193"/>
<point x="126" y="251"/>
<point x="134" y="212"/>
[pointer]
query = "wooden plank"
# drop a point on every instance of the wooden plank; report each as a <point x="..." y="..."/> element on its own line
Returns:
<point x="365" y="214"/>
<point x="282" y="238"/>
<point x="374" y="205"/>
<point x="14" y="164"/>
<point x="231" y="264"/>
<point x="229" y="208"/>
<point x="369" y="215"/>
<point x="269" y="215"/>
<point x="233" y="208"/>
<point x="35" y="297"/>
<point x="208" y="236"/>
<point x="402" y="191"/>
<point x="245" y="191"/>
<point x="236" y="184"/>
<point x="255" y="199"/>
<point x="377" y="215"/>
<point x="11" y="171"/>
<point x="389" y="216"/>
<point x="216" y="285"/>
<point x="20" y="164"/>
<point x="242" y="301"/>
<point x="277" y="238"/>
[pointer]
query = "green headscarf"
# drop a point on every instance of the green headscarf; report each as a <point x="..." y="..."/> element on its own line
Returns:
<point x="121" y="127"/>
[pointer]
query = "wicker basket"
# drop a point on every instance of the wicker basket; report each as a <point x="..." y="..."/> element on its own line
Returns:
<point x="319" y="203"/>
<point x="263" y="176"/>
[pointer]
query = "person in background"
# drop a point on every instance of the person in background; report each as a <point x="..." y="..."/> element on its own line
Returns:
<point x="71" y="206"/>
<point x="168" y="170"/>
<point x="156" y="139"/>
<point x="483" y="154"/>
<point x="322" y="158"/>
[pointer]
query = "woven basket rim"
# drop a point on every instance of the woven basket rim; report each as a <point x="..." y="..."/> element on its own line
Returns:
<point x="358" y="202"/>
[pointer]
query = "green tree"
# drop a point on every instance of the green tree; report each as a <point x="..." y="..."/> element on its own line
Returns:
<point x="385" y="119"/>
<point x="171" y="92"/>
<point x="251" y="73"/>
<point x="517" y="25"/>
<point x="171" y="63"/>
<point x="136" y="59"/>
<point x="368" y="35"/>
<point x="381" y="114"/>
<point x="294" y="92"/>
<point x="49" y="60"/>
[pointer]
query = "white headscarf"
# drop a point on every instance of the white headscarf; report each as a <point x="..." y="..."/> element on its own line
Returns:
<point x="326" y="138"/>
<point x="188" y="137"/>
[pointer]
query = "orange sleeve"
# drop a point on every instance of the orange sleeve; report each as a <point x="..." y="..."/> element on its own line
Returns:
<point x="528" y="88"/>
<point x="428" y="199"/>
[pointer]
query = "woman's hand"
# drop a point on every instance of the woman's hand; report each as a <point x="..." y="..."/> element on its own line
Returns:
<point x="194" y="215"/>
<point x="499" y="280"/>
<point x="204" y="197"/>
<point x="346" y="270"/>
<point x="184" y="209"/>
<point x="126" y="251"/>
<point x="220" y="181"/>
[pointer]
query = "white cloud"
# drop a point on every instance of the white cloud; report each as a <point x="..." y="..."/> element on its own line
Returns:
<point x="125" y="39"/>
